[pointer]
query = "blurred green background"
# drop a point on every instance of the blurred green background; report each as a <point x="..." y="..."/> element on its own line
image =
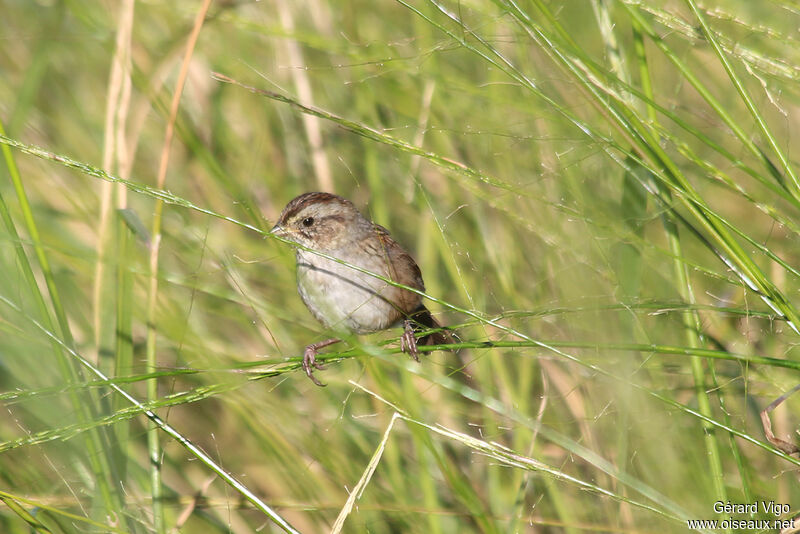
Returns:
<point x="602" y="197"/>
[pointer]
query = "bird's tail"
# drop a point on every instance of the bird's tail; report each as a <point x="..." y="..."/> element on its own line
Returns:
<point x="425" y="321"/>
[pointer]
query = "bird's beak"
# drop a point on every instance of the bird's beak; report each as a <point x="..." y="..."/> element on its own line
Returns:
<point x="278" y="230"/>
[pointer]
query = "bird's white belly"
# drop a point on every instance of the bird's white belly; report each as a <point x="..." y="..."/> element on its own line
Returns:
<point x="342" y="298"/>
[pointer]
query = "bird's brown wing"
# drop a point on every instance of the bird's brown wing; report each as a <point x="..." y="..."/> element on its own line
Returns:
<point x="401" y="268"/>
<point x="404" y="269"/>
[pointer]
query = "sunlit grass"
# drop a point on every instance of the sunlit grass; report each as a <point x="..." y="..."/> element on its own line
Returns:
<point x="602" y="198"/>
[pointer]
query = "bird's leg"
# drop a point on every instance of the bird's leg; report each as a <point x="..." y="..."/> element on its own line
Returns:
<point x="408" y="343"/>
<point x="310" y="358"/>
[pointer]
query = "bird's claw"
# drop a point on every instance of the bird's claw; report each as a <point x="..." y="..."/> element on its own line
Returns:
<point x="309" y="362"/>
<point x="408" y="342"/>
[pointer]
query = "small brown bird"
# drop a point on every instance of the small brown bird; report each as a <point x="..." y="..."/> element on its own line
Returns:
<point x="342" y="298"/>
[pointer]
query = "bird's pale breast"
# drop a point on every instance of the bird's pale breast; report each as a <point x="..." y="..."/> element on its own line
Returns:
<point x="342" y="298"/>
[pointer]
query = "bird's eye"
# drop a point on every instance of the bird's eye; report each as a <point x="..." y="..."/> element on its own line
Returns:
<point x="308" y="221"/>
